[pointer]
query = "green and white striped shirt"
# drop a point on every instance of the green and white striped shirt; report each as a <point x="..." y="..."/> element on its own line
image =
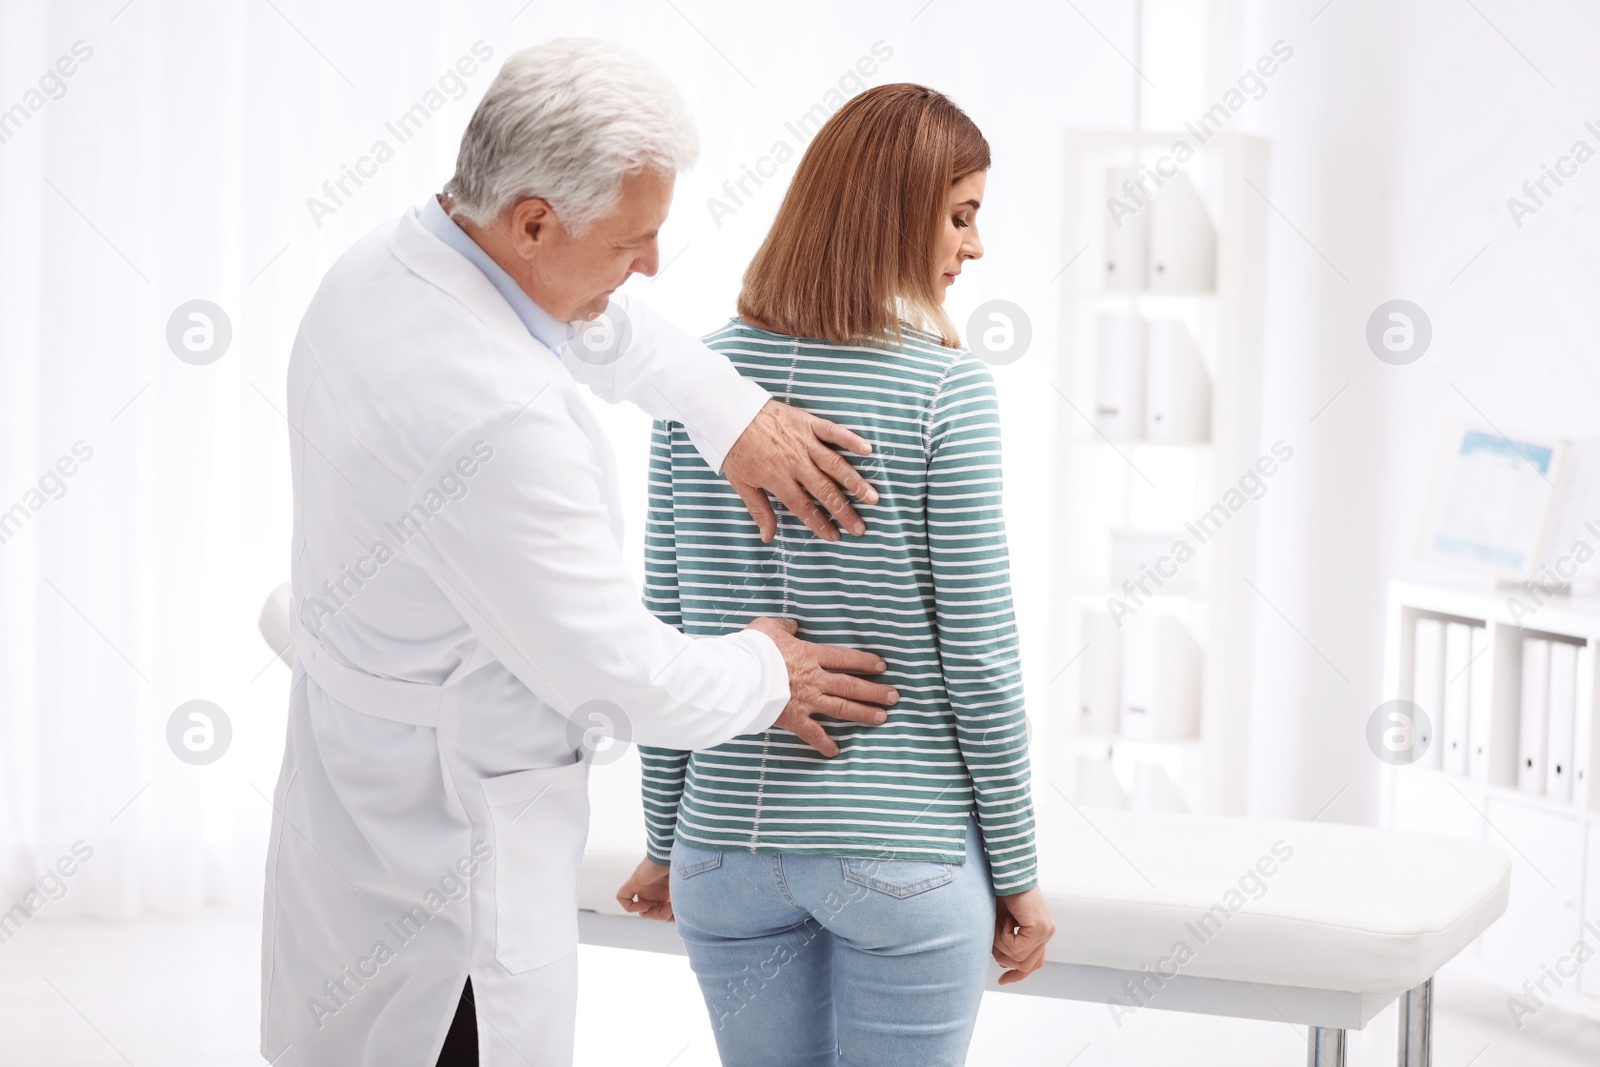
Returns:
<point x="927" y="588"/>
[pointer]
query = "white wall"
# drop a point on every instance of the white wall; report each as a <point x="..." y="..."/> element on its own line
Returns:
<point x="178" y="164"/>
<point x="1398" y="133"/>
<point x="190" y="145"/>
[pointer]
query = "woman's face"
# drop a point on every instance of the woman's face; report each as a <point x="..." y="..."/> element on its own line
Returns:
<point x="958" y="237"/>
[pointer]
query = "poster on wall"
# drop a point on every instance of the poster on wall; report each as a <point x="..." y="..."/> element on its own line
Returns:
<point x="1492" y="501"/>
<point x="1572" y="547"/>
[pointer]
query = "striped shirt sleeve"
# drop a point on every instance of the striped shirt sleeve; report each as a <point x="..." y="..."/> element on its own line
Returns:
<point x="977" y="631"/>
<point x="663" y="768"/>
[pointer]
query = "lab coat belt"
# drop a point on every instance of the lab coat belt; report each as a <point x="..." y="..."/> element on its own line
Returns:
<point x="416" y="703"/>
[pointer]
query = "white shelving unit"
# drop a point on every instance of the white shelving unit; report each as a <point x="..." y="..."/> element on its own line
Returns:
<point x="1101" y="486"/>
<point x="1554" y="845"/>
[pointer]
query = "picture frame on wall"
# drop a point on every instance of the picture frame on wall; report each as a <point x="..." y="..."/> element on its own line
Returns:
<point x="1492" y="500"/>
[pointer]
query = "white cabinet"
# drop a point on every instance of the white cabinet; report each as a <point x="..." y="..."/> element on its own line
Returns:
<point x="1541" y="922"/>
<point x="1158" y="446"/>
<point x="1433" y="804"/>
<point x="1549" y="938"/>
<point x="1589" y="976"/>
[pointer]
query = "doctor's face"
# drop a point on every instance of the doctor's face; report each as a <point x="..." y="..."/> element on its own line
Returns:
<point x="573" y="276"/>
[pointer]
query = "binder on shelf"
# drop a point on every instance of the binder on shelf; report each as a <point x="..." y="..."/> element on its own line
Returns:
<point x="1481" y="705"/>
<point x="1135" y="553"/>
<point x="1160" y="680"/>
<point x="1457" y="695"/>
<point x="1097" y="784"/>
<point x="1119" y="379"/>
<point x="1100" y="682"/>
<point x="1583" y="732"/>
<point x="1177" y="406"/>
<point x="1154" y="789"/>
<point x="1563" y="705"/>
<point x="1127" y="239"/>
<point x="1533" y="716"/>
<point x="1427" y="689"/>
<point x="1182" y="256"/>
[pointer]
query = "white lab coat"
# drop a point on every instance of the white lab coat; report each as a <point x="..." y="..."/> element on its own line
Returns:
<point x="459" y="592"/>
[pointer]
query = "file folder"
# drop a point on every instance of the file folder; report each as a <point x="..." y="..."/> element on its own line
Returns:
<point x="1563" y="706"/>
<point x="1481" y="702"/>
<point x="1097" y="784"/>
<point x="1127" y="239"/>
<point x="1119" y="378"/>
<point x="1427" y="690"/>
<point x="1100" y="683"/>
<point x="1160" y="680"/>
<point x="1457" y="695"/>
<point x="1183" y="243"/>
<point x="1533" y="716"/>
<point x="1154" y="789"/>
<point x="1583" y="732"/>
<point x="1177" y="407"/>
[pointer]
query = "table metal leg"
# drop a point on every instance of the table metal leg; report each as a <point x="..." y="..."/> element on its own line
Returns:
<point x="1325" y="1047"/>
<point x="1416" y="1026"/>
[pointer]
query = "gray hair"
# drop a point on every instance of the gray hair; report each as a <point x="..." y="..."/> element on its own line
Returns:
<point x="565" y="121"/>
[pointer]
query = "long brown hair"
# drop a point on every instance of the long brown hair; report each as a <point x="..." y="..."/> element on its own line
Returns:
<point x="851" y="250"/>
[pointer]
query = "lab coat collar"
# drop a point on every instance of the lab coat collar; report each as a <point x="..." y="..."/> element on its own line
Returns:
<point x="543" y="325"/>
<point x="440" y="265"/>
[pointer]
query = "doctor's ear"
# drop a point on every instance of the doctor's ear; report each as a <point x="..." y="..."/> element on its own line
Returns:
<point x="529" y="224"/>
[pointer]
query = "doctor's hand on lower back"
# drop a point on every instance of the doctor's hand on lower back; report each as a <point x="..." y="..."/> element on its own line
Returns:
<point x="646" y="891"/>
<point x="818" y="686"/>
<point x="787" y="452"/>
<point x="1023" y="926"/>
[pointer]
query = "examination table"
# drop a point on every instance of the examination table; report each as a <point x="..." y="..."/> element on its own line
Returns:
<point x="1351" y="920"/>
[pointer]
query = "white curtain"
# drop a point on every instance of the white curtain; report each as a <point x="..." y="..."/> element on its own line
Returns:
<point x="174" y="163"/>
<point x="228" y="152"/>
<point x="220" y="152"/>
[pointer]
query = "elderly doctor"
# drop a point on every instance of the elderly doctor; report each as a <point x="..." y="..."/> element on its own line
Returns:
<point x="461" y="607"/>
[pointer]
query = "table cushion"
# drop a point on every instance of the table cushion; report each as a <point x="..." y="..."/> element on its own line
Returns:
<point x="1337" y="907"/>
<point x="1313" y="905"/>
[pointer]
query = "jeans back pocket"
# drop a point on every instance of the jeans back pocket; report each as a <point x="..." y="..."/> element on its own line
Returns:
<point x="693" y="861"/>
<point x="897" y="878"/>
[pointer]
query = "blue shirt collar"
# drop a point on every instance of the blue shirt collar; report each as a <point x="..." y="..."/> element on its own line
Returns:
<point x="545" y="327"/>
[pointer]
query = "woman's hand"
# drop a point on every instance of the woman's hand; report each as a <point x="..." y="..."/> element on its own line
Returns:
<point x="646" y="891"/>
<point x="1022" y="928"/>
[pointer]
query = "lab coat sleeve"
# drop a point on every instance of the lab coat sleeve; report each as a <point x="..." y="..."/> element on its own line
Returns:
<point x="662" y="769"/>
<point x="670" y="375"/>
<point x="979" y="650"/>
<point x="519" y="538"/>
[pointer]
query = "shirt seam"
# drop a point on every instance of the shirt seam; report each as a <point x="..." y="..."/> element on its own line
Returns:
<point x="783" y="563"/>
<point x="933" y="404"/>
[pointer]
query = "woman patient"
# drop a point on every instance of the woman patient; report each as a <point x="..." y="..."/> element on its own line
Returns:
<point x="843" y="911"/>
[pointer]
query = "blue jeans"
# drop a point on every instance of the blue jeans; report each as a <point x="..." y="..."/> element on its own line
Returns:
<point x="819" y="961"/>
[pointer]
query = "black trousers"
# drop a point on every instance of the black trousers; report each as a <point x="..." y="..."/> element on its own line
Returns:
<point x="461" y="1043"/>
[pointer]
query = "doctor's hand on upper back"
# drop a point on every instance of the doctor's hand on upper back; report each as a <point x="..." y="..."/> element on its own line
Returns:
<point x="818" y="686"/>
<point x="1023" y="926"/>
<point x="647" y="891"/>
<point x="786" y="452"/>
